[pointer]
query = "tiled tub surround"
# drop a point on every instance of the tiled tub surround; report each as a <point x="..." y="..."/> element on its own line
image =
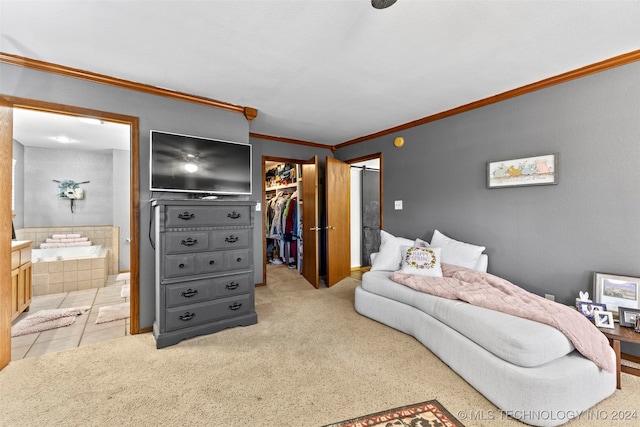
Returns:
<point x="69" y="275"/>
<point x="106" y="236"/>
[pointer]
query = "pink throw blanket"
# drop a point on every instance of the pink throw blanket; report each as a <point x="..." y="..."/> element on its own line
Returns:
<point x="492" y="292"/>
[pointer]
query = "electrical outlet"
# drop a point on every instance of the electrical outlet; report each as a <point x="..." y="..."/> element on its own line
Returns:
<point x="397" y="204"/>
<point x="549" y="296"/>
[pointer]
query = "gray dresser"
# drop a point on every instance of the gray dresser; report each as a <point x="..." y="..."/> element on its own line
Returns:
<point x="204" y="268"/>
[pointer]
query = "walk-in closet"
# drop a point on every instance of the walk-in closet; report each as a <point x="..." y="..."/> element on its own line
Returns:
<point x="283" y="214"/>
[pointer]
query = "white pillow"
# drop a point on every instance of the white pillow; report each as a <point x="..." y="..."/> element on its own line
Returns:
<point x="456" y="252"/>
<point x="422" y="261"/>
<point x="419" y="243"/>
<point x="389" y="255"/>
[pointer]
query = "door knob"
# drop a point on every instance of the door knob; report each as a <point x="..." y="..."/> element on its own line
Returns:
<point x="330" y="227"/>
<point x="315" y="229"/>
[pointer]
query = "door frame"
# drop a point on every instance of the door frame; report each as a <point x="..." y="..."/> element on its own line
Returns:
<point x="134" y="207"/>
<point x="373" y="156"/>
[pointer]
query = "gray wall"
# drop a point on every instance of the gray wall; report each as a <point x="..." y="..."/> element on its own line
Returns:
<point x="43" y="207"/>
<point x="18" y="184"/>
<point x="120" y="208"/>
<point x="547" y="239"/>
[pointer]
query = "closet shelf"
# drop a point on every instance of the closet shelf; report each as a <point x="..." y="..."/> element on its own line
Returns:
<point x="280" y="187"/>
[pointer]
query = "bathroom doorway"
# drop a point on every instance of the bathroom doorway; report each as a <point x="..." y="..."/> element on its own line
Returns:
<point x="128" y="176"/>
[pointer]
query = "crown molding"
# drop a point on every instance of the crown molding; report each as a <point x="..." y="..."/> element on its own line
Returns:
<point x="290" y="141"/>
<point x="248" y="112"/>
<point x="607" y="64"/>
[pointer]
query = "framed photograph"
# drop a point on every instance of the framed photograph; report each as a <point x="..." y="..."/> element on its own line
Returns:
<point x="614" y="291"/>
<point x="604" y="319"/>
<point x="589" y="308"/>
<point x="537" y="170"/>
<point x="628" y="316"/>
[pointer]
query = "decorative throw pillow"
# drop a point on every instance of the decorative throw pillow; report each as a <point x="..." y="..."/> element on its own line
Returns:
<point x="389" y="255"/>
<point x="422" y="261"/>
<point x="456" y="252"/>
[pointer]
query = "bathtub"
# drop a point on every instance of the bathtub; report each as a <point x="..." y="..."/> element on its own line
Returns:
<point x="69" y="269"/>
<point x="72" y="252"/>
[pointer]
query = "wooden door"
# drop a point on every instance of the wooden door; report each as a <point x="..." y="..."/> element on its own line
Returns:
<point x="310" y="232"/>
<point x="6" y="150"/>
<point x="338" y="186"/>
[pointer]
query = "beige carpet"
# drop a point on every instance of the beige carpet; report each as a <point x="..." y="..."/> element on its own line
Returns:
<point x="311" y="360"/>
<point x="44" y="320"/>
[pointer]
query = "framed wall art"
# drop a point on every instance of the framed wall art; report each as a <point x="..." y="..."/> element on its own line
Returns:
<point x="527" y="171"/>
<point x="616" y="291"/>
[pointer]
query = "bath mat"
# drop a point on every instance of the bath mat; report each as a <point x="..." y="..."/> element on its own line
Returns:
<point x="125" y="292"/>
<point x="110" y="313"/>
<point x="425" y="413"/>
<point x="44" y="320"/>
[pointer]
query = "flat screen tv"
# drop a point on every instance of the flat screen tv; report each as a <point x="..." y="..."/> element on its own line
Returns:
<point x="191" y="164"/>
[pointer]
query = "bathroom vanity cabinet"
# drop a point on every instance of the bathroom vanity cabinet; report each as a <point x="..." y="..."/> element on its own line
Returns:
<point x="20" y="277"/>
<point x="204" y="268"/>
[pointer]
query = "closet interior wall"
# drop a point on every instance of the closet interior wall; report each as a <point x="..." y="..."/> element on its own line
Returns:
<point x="283" y="225"/>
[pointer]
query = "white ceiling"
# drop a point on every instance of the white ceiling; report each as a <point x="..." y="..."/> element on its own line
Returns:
<point x="325" y="71"/>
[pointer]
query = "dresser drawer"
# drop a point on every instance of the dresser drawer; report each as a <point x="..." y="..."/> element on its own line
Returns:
<point x="204" y="312"/>
<point x="179" y="265"/>
<point x="180" y="242"/>
<point x="210" y="262"/>
<point x="238" y="259"/>
<point x="230" y="239"/>
<point x="200" y="216"/>
<point x="189" y="293"/>
<point x="232" y="285"/>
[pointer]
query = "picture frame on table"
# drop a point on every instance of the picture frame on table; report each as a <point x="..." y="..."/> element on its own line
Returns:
<point x="523" y="172"/>
<point x="589" y="308"/>
<point x="604" y="319"/>
<point x="628" y="316"/>
<point x="616" y="291"/>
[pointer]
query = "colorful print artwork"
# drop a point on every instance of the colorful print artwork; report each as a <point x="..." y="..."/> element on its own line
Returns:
<point x="538" y="170"/>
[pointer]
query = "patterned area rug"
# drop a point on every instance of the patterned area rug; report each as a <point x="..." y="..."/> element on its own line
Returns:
<point x="425" y="414"/>
<point x="112" y="313"/>
<point x="44" y="320"/>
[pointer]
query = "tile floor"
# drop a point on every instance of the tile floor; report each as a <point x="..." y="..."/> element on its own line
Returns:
<point x="84" y="331"/>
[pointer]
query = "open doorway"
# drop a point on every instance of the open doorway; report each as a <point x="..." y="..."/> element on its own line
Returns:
<point x="124" y="173"/>
<point x="366" y="209"/>
<point x="290" y="240"/>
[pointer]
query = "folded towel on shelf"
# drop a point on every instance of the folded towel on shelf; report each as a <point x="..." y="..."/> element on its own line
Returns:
<point x="74" y="244"/>
<point x="59" y="236"/>
<point x="48" y="240"/>
<point x="76" y="239"/>
<point x="74" y="235"/>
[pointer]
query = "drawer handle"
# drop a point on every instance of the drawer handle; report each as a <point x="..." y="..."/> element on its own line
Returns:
<point x="231" y="286"/>
<point x="189" y="242"/>
<point x="181" y="265"/>
<point x="233" y="215"/>
<point x="212" y="262"/>
<point x="231" y="239"/>
<point x="186" y="216"/>
<point x="235" y="306"/>
<point x="190" y="293"/>
<point x="239" y="259"/>
<point x="187" y="316"/>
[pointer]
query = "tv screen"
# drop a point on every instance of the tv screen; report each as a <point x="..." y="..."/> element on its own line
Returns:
<point x="183" y="163"/>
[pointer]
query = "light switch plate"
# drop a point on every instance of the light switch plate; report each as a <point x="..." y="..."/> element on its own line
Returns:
<point x="258" y="207"/>
<point x="397" y="204"/>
